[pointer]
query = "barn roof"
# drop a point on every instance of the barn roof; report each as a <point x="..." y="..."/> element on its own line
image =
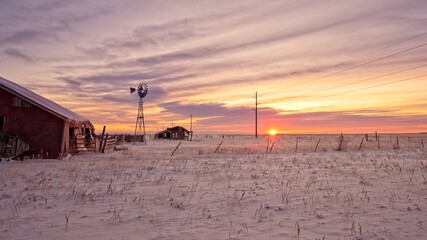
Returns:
<point x="176" y="128"/>
<point x="40" y="101"/>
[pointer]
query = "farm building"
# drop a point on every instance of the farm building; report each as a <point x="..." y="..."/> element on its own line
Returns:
<point x="177" y="132"/>
<point x="50" y="130"/>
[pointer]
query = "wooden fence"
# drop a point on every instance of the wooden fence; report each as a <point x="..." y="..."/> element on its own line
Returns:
<point x="98" y="144"/>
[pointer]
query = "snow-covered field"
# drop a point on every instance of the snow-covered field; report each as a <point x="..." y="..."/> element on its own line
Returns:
<point x="240" y="192"/>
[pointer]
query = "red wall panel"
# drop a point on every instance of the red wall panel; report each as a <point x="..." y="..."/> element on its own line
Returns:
<point x="35" y="126"/>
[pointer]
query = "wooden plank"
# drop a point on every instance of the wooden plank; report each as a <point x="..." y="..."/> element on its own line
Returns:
<point x="83" y="146"/>
<point x="104" y="143"/>
<point x="102" y="139"/>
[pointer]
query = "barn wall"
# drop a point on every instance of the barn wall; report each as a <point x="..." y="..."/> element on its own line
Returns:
<point x="65" y="143"/>
<point x="180" y="135"/>
<point x="35" y="126"/>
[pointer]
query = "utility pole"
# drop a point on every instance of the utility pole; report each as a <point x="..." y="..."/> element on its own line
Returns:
<point x="191" y="127"/>
<point x="191" y="122"/>
<point x="256" y="114"/>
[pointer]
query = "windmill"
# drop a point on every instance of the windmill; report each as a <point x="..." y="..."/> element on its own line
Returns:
<point x="142" y="90"/>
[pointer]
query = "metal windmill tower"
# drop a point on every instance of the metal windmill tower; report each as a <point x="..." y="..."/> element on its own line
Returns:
<point x="140" y="123"/>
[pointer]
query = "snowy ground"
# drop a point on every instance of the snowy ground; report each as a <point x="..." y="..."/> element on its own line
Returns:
<point x="240" y="192"/>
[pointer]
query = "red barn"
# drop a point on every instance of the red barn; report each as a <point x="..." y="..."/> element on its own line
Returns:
<point x="48" y="128"/>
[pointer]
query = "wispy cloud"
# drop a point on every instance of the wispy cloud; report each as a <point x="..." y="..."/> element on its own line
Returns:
<point x="35" y="22"/>
<point x="16" y="53"/>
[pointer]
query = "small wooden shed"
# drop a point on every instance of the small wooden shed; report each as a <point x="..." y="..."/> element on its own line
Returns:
<point x="50" y="129"/>
<point x="175" y="133"/>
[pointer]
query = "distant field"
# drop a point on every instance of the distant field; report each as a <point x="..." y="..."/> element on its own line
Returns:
<point x="239" y="192"/>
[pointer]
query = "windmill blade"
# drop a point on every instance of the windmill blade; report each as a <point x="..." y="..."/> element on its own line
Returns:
<point x="132" y="90"/>
<point x="142" y="90"/>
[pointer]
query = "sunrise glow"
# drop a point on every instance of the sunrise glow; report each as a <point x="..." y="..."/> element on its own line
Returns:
<point x="272" y="132"/>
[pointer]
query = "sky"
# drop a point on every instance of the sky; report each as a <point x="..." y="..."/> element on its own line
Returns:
<point x="325" y="66"/>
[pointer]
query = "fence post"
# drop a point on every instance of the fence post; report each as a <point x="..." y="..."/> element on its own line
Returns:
<point x="272" y="145"/>
<point x="104" y="143"/>
<point x="176" y="149"/>
<point x="341" y="140"/>
<point x="102" y="139"/>
<point x="296" y="145"/>
<point x="361" y="142"/>
<point x="315" y="149"/>
<point x="268" y="143"/>
<point x="397" y="142"/>
<point x="378" y="139"/>
<point x="216" y="150"/>
<point x="422" y="142"/>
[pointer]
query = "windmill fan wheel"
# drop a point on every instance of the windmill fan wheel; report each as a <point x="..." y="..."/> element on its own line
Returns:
<point x="142" y="90"/>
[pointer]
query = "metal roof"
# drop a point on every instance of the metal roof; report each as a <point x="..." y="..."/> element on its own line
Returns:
<point x="40" y="101"/>
<point x="176" y="128"/>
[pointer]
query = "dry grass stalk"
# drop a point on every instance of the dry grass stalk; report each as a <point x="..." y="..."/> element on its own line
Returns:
<point x="298" y="229"/>
<point x="67" y="218"/>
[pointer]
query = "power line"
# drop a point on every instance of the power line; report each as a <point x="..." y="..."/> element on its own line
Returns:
<point x="354" y="67"/>
<point x="359" y="65"/>
<point x="364" y="88"/>
<point x="371" y="52"/>
<point x="394" y="44"/>
<point x="239" y="111"/>
<point x="364" y="80"/>
<point x="232" y="113"/>
<point x="384" y="75"/>
<point x="379" y="85"/>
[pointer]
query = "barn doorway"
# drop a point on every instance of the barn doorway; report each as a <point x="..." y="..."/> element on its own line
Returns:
<point x="2" y="121"/>
<point x="72" y="140"/>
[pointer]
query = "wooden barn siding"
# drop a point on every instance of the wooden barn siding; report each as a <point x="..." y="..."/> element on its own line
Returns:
<point x="180" y="135"/>
<point x="33" y="125"/>
<point x="65" y="143"/>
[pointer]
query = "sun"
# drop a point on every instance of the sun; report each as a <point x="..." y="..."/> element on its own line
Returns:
<point x="272" y="132"/>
